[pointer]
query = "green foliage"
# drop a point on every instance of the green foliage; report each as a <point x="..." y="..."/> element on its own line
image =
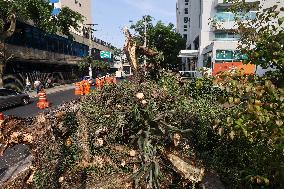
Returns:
<point x="262" y="38"/>
<point x="40" y="13"/>
<point x="130" y="127"/>
<point x="85" y="63"/>
<point x="244" y="142"/>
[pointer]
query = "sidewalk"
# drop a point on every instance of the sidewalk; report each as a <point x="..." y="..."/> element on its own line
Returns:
<point x="55" y="89"/>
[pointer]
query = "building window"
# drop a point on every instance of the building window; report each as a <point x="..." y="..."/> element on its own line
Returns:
<point x="184" y="26"/>
<point x="185" y="36"/>
<point x="226" y="36"/>
<point x="185" y="19"/>
<point x="184" y="29"/>
<point x="186" y="11"/>
<point x="207" y="60"/>
<point x="230" y="55"/>
<point x="186" y="1"/>
<point x="222" y="16"/>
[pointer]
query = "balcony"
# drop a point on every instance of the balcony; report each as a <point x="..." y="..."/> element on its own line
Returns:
<point x="226" y="3"/>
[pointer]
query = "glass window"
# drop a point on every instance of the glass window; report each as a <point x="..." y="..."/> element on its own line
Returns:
<point x="230" y="55"/>
<point x="226" y="36"/>
<point x="224" y="16"/>
<point x="186" y="11"/>
<point x="185" y="36"/>
<point x="185" y="19"/>
<point x="184" y="26"/>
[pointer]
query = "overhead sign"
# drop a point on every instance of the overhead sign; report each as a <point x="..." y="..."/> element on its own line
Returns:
<point x="105" y="54"/>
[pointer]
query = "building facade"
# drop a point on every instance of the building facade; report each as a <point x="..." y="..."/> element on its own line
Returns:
<point x="38" y="55"/>
<point x="207" y="45"/>
<point x="84" y="7"/>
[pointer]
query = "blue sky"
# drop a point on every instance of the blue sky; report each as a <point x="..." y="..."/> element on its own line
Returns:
<point x="112" y="15"/>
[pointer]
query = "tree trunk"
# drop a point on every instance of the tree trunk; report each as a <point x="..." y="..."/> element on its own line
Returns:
<point x="130" y="49"/>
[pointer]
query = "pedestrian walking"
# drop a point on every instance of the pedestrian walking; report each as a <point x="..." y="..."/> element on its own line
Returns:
<point x="39" y="86"/>
<point x="28" y="85"/>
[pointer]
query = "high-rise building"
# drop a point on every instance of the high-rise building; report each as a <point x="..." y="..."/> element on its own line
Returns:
<point x="207" y="45"/>
<point x="84" y="7"/>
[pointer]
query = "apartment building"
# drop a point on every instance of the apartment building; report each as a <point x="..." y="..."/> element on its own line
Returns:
<point x="207" y="45"/>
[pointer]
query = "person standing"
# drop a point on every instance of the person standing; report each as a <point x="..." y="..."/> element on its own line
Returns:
<point x="28" y="85"/>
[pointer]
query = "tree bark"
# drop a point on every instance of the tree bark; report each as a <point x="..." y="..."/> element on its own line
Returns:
<point x="131" y="49"/>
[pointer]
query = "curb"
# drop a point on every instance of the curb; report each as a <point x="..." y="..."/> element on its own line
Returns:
<point x="54" y="90"/>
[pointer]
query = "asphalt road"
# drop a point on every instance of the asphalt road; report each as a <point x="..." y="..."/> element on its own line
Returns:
<point x="17" y="158"/>
<point x="31" y="109"/>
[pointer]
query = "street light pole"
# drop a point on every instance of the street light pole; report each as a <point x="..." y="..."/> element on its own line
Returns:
<point x="90" y="48"/>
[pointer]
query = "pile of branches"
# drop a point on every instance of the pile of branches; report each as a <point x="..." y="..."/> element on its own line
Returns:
<point x="125" y="136"/>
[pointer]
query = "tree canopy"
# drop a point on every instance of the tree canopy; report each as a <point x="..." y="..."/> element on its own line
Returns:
<point x="161" y="38"/>
<point x="39" y="13"/>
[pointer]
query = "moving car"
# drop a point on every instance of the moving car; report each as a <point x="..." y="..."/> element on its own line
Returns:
<point x="9" y="98"/>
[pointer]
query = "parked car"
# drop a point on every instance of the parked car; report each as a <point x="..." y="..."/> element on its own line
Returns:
<point x="10" y="98"/>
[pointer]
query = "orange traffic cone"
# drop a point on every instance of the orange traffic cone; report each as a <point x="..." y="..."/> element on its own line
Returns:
<point x="78" y="88"/>
<point x="87" y="87"/>
<point x="42" y="100"/>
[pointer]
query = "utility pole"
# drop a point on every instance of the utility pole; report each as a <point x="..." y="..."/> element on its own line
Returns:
<point x="90" y="47"/>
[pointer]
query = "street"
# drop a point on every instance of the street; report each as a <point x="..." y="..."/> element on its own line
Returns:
<point x="31" y="109"/>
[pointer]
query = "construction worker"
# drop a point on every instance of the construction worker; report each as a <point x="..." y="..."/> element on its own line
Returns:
<point x="98" y="83"/>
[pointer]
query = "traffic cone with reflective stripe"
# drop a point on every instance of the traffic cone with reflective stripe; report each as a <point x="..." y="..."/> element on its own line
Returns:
<point x="78" y="90"/>
<point x="42" y="100"/>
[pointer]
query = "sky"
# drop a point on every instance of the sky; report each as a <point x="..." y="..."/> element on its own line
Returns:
<point x="112" y="15"/>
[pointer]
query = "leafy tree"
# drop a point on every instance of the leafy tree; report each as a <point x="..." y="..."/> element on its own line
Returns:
<point x="37" y="12"/>
<point x="262" y="37"/>
<point x="85" y="63"/>
<point x="161" y="38"/>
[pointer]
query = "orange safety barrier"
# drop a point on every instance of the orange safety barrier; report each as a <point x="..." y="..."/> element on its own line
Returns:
<point x="114" y="80"/>
<point x="108" y="80"/>
<point x="42" y="100"/>
<point x="87" y="87"/>
<point x="78" y="90"/>
<point x="98" y="83"/>
<point x="81" y="87"/>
